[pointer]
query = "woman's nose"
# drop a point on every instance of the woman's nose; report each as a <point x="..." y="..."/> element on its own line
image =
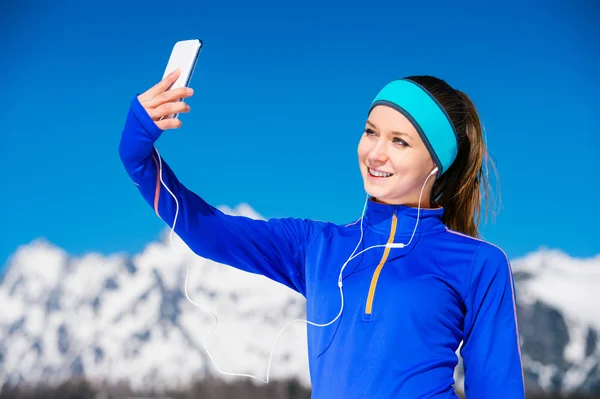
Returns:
<point x="378" y="153"/>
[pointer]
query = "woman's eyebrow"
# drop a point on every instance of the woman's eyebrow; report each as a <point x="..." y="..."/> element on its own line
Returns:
<point x="394" y="132"/>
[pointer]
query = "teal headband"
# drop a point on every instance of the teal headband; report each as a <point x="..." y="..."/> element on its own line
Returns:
<point x="427" y="116"/>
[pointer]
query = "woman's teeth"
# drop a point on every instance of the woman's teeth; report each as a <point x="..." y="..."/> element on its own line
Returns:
<point x="379" y="174"/>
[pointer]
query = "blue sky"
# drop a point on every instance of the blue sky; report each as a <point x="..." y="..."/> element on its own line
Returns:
<point x="282" y="92"/>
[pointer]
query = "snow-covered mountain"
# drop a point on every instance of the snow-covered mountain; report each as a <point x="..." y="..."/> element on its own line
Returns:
<point x="114" y="317"/>
<point x="110" y="318"/>
<point x="559" y="320"/>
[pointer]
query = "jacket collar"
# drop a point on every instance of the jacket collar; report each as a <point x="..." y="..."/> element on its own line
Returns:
<point x="378" y="216"/>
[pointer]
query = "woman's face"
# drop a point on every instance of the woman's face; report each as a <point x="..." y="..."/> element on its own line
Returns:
<point x="391" y="145"/>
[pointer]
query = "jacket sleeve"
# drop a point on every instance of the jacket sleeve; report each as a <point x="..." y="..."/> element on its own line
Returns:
<point x="491" y="349"/>
<point x="274" y="248"/>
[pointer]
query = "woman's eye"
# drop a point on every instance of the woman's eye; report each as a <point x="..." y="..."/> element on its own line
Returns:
<point x="395" y="140"/>
<point x="400" y="141"/>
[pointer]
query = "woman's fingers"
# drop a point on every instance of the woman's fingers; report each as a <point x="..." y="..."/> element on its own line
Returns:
<point x="168" y="108"/>
<point x="160" y="87"/>
<point x="168" y="124"/>
<point x="169" y="96"/>
<point x="159" y="101"/>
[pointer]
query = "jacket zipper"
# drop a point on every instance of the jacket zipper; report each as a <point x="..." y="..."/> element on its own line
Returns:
<point x="371" y="296"/>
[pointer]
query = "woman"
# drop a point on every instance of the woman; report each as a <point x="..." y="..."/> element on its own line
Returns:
<point x="396" y="292"/>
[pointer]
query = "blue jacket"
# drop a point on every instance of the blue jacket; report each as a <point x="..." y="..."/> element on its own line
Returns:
<point x="406" y="310"/>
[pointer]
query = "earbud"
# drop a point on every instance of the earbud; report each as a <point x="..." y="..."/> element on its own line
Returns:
<point x="433" y="171"/>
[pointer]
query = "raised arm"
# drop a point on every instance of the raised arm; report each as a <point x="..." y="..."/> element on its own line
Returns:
<point x="274" y="248"/>
<point x="491" y="349"/>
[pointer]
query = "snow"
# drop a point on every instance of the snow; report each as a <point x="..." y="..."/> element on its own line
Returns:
<point x="140" y="326"/>
<point x="567" y="283"/>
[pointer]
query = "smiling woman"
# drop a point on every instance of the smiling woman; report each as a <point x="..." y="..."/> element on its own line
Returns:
<point x="393" y="170"/>
<point x="422" y="283"/>
<point x="396" y="154"/>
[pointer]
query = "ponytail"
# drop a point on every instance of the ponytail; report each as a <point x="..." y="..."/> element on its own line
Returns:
<point x="465" y="187"/>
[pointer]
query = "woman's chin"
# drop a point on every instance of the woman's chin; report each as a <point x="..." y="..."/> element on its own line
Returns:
<point x="376" y="192"/>
<point x="381" y="195"/>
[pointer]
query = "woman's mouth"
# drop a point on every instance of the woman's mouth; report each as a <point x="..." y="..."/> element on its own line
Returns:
<point x="376" y="174"/>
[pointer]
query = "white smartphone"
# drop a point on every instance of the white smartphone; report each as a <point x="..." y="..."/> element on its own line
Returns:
<point x="183" y="56"/>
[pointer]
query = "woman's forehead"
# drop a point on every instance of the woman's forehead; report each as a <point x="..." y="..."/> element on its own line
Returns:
<point x="387" y="120"/>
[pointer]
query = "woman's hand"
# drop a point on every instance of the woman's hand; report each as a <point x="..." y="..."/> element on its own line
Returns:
<point x="160" y="102"/>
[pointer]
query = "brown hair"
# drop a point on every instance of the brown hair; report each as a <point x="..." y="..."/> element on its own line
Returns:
<point x="463" y="188"/>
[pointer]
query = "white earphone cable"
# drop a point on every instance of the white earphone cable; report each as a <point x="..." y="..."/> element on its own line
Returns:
<point x="352" y="256"/>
